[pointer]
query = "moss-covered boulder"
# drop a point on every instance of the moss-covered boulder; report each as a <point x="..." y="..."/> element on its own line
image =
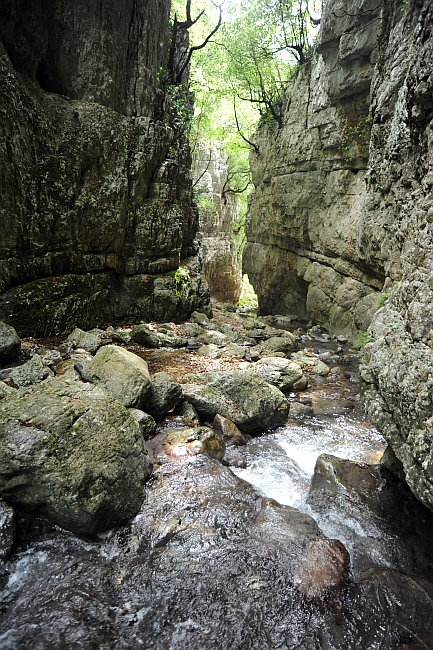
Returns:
<point x="121" y="374"/>
<point x="73" y="453"/>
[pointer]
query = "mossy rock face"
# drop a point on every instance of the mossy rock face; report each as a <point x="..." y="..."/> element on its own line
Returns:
<point x="56" y="305"/>
<point x="73" y="453"/>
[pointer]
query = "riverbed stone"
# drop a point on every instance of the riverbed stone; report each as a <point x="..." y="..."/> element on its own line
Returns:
<point x="145" y="336"/>
<point x="188" y="414"/>
<point x="72" y="453"/>
<point x="145" y="421"/>
<point x="88" y="341"/>
<point x="121" y="374"/>
<point x="210" y="350"/>
<point x="278" y="371"/>
<point x="31" y="372"/>
<point x="228" y="430"/>
<point x="323" y="567"/>
<point x="10" y="344"/>
<point x="245" y="399"/>
<point x="193" y="441"/>
<point x="284" y="344"/>
<point x="164" y="394"/>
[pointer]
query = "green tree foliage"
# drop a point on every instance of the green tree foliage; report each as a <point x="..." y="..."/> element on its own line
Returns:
<point x="241" y="75"/>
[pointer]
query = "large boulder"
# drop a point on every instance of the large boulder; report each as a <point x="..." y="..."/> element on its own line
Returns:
<point x="121" y="374"/>
<point x="165" y="393"/>
<point x="10" y="344"/>
<point x="242" y="397"/>
<point x="277" y="371"/>
<point x="73" y="453"/>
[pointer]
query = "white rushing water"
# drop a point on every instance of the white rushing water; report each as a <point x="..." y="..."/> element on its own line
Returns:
<point x="281" y="464"/>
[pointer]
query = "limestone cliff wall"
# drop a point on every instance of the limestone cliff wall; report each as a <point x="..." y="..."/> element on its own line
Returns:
<point x="344" y="206"/>
<point x="218" y="214"/>
<point x="96" y="194"/>
<point x="303" y="252"/>
<point x="397" y="365"/>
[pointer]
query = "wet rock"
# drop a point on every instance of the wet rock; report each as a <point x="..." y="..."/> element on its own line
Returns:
<point x="88" y="341"/>
<point x="211" y="350"/>
<point x="31" y="372"/>
<point x="245" y="399"/>
<point x="165" y="393"/>
<point x="188" y="414"/>
<point x="75" y="454"/>
<point x="10" y="344"/>
<point x="7" y="528"/>
<point x="279" y="372"/>
<point x="323" y="567"/>
<point x="395" y="526"/>
<point x="143" y="335"/>
<point x="393" y="464"/>
<point x="145" y="421"/>
<point x="228" y="430"/>
<point x="121" y="374"/>
<point x="284" y="344"/>
<point x="198" y="440"/>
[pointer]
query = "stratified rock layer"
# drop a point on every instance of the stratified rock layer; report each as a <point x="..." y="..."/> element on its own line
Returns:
<point x="303" y="253"/>
<point x="94" y="178"/>
<point x="218" y="216"/>
<point x="397" y="365"/>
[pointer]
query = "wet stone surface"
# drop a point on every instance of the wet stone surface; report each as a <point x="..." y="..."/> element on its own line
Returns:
<point x="283" y="544"/>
